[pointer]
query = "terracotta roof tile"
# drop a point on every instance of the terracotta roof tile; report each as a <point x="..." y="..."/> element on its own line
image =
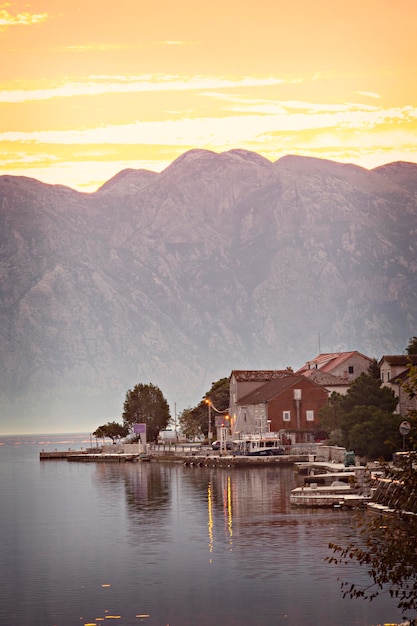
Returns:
<point x="328" y="361"/>
<point x="271" y="389"/>
<point x="326" y="378"/>
<point x="399" y="359"/>
<point x="259" y="375"/>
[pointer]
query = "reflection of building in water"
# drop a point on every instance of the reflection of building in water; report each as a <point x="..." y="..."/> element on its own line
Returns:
<point x="236" y="500"/>
<point x="240" y="497"/>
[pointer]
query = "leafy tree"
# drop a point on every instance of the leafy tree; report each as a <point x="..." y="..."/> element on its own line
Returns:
<point x="376" y="435"/>
<point x="387" y="548"/>
<point x="190" y="425"/>
<point x="387" y="545"/>
<point x="412" y="346"/>
<point x="220" y="394"/>
<point x="410" y="387"/>
<point x="111" y="430"/>
<point x="367" y="391"/>
<point x="374" y="369"/>
<point x="145" y="404"/>
<point x="331" y="414"/>
<point x="194" y="422"/>
<point x="363" y="419"/>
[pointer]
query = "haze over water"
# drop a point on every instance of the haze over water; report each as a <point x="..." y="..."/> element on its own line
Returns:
<point x="165" y="544"/>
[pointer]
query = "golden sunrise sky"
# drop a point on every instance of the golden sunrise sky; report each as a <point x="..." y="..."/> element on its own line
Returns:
<point x="88" y="88"/>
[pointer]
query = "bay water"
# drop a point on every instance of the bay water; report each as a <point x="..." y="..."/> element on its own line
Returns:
<point x="166" y="545"/>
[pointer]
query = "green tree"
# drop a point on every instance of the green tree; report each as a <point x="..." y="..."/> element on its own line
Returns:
<point x="412" y="346"/>
<point x="190" y="426"/>
<point x="363" y="420"/>
<point x="387" y="545"/>
<point x="111" y="430"/>
<point x="367" y="391"/>
<point x="410" y="387"/>
<point x="331" y="415"/>
<point x="387" y="548"/>
<point x="145" y="404"/>
<point x="194" y="422"/>
<point x="375" y="434"/>
<point x="374" y="370"/>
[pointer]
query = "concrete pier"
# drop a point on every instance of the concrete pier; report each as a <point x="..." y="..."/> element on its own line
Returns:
<point x="60" y="454"/>
<point x="189" y="460"/>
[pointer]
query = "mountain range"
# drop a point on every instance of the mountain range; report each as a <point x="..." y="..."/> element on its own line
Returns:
<point x="220" y="262"/>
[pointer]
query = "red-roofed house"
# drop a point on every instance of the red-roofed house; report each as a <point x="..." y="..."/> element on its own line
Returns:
<point x="343" y="368"/>
<point x="243" y="382"/>
<point x="288" y="403"/>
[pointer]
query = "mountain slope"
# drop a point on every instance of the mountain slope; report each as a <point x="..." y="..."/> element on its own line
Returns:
<point x="221" y="261"/>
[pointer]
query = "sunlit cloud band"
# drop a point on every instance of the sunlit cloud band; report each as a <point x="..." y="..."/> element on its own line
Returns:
<point x="97" y="85"/>
<point x="19" y="19"/>
<point x="225" y="130"/>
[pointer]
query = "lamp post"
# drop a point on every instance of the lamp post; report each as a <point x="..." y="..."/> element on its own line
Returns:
<point x="210" y="434"/>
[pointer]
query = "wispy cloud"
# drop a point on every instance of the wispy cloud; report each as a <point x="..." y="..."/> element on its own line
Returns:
<point x="97" y="85"/>
<point x="369" y="94"/>
<point x="7" y="19"/>
<point x="100" y="47"/>
<point x="173" y="42"/>
<point x="229" y="129"/>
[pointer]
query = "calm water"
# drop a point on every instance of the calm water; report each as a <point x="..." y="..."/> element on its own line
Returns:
<point x="165" y="545"/>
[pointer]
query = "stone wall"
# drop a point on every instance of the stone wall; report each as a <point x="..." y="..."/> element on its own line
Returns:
<point x="330" y="454"/>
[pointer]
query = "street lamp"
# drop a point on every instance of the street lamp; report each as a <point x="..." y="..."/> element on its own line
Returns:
<point x="210" y="434"/>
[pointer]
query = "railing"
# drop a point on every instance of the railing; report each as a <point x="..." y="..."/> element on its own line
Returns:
<point x="176" y="448"/>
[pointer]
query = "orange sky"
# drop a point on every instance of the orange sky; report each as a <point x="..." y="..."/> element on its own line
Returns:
<point x="90" y="88"/>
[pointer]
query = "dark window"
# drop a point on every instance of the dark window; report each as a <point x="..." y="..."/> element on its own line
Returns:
<point x="350" y="369"/>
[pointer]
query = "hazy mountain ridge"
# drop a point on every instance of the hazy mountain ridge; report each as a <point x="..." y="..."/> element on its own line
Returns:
<point x="221" y="261"/>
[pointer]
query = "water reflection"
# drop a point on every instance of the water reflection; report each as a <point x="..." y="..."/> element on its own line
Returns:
<point x="210" y="516"/>
<point x="184" y="546"/>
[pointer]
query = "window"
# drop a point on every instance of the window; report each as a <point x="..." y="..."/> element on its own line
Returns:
<point x="388" y="376"/>
<point x="350" y="369"/>
<point x="286" y="416"/>
<point x="382" y="377"/>
<point x="310" y="416"/>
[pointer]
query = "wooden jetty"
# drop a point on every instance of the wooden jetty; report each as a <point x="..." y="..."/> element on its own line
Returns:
<point x="327" y="496"/>
<point x="345" y="487"/>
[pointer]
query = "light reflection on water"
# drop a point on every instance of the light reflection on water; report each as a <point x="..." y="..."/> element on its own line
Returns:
<point x="85" y="543"/>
